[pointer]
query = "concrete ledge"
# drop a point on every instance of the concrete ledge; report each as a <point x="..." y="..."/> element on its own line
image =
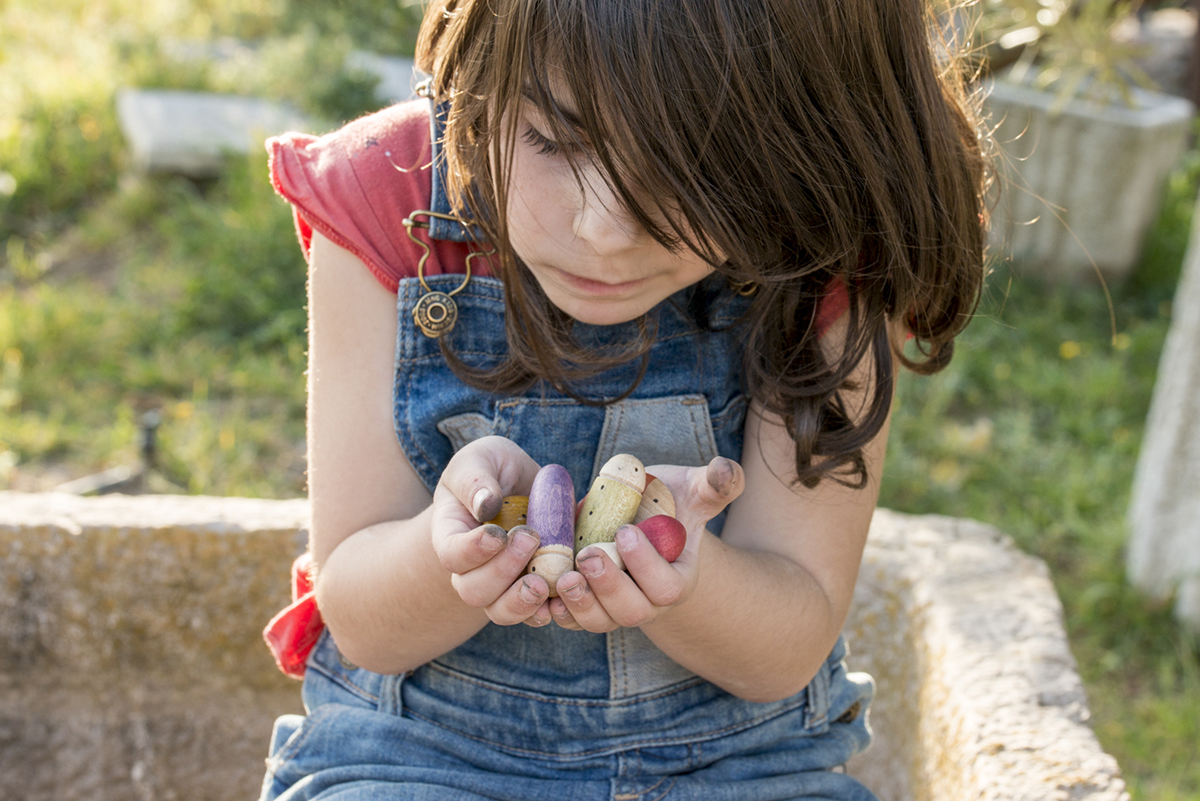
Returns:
<point x="132" y="665"/>
<point x="192" y="132"/>
<point x="978" y="694"/>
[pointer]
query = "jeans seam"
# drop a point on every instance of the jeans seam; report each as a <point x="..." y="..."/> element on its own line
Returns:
<point x="686" y="684"/>
<point x="682" y="739"/>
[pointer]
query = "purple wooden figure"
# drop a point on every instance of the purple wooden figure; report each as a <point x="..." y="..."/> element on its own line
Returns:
<point x="552" y="515"/>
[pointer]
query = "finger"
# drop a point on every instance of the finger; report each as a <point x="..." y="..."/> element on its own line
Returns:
<point x="520" y="602"/>
<point x="662" y="583"/>
<point x="463" y="552"/>
<point x="482" y="586"/>
<point x="587" y="612"/>
<point x="481" y="474"/>
<point x="562" y="615"/>
<point x="615" y="591"/>
<point x="703" y="493"/>
<point x="541" y="617"/>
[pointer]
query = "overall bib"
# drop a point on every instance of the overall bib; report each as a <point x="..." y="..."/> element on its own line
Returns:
<point x="533" y="714"/>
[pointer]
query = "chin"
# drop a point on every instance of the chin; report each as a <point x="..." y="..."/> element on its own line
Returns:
<point x="602" y="313"/>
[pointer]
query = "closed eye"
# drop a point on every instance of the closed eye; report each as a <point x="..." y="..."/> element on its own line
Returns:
<point x="543" y="145"/>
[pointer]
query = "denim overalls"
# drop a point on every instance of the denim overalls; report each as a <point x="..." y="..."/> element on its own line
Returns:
<point x="528" y="713"/>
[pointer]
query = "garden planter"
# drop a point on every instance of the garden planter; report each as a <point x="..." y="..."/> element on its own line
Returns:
<point x="1080" y="186"/>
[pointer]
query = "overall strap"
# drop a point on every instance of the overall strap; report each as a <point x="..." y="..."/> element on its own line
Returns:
<point x="440" y="227"/>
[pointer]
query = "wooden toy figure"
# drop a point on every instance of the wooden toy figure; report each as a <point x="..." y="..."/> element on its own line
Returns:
<point x="612" y="502"/>
<point x="512" y="512"/>
<point x="552" y="515"/>
<point x="656" y="500"/>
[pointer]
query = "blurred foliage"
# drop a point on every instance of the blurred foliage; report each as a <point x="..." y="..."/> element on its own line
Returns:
<point x="60" y="146"/>
<point x="245" y="281"/>
<point x="1066" y="46"/>
<point x="203" y="320"/>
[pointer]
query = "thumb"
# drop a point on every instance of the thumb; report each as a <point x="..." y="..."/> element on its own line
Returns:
<point x="710" y="489"/>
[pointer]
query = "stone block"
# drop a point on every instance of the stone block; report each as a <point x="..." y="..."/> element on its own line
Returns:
<point x="1163" y="557"/>
<point x="192" y="132"/>
<point x="132" y="665"/>
<point x="1082" y="183"/>
<point x="397" y="78"/>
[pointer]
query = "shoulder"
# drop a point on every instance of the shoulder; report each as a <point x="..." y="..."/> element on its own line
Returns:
<point x="357" y="184"/>
<point x="394" y="140"/>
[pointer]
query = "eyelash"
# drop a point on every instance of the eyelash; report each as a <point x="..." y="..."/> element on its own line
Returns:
<point x="546" y="147"/>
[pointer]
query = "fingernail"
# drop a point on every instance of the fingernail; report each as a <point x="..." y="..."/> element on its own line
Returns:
<point x="725" y="475"/>
<point x="592" y="566"/>
<point x="528" y="594"/>
<point x="524" y="541"/>
<point x="572" y="593"/>
<point x="626" y="538"/>
<point x="495" y="539"/>
<point x="481" y="504"/>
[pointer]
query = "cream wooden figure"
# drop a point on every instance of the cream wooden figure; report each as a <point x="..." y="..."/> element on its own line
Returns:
<point x="612" y="501"/>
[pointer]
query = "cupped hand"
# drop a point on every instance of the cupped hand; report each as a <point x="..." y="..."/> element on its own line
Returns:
<point x="484" y="561"/>
<point x="599" y="597"/>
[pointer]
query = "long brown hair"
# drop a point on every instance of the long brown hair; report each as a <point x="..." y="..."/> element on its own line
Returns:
<point x="791" y="143"/>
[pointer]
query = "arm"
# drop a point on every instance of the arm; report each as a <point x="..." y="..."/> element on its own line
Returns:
<point x="758" y="610"/>
<point x="385" y="592"/>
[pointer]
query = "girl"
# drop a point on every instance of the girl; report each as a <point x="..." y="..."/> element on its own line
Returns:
<point x="696" y="231"/>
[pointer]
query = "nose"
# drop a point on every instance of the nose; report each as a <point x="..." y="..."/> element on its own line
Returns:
<point x="602" y="220"/>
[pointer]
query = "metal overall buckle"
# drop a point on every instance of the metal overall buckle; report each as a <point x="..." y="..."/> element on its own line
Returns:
<point x="435" y="313"/>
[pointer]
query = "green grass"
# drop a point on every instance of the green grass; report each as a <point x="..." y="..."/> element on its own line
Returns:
<point x="119" y="295"/>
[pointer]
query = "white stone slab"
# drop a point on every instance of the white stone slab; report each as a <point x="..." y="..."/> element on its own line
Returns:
<point x="1164" y="512"/>
<point x="1082" y="184"/>
<point x="397" y="76"/>
<point x="192" y="132"/>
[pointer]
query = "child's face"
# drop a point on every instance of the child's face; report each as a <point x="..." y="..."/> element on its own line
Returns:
<point x="591" y="258"/>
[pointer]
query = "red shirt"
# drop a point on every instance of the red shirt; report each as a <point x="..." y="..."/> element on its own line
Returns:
<point x="356" y="185"/>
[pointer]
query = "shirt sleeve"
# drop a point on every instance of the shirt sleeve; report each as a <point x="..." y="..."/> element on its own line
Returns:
<point x="356" y="186"/>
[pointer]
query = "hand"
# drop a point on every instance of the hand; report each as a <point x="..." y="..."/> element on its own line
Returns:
<point x="485" y="561"/>
<point x="600" y="597"/>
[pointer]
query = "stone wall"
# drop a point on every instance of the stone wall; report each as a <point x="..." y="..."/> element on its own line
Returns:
<point x="132" y="664"/>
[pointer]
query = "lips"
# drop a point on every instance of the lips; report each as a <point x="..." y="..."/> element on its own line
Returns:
<point x="593" y="287"/>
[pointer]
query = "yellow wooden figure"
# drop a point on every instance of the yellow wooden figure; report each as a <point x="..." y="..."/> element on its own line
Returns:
<point x="612" y="502"/>
<point x="512" y="512"/>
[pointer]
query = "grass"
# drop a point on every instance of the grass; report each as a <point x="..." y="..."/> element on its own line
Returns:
<point x="120" y="294"/>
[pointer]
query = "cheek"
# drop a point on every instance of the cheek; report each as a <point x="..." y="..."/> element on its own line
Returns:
<point x="539" y="203"/>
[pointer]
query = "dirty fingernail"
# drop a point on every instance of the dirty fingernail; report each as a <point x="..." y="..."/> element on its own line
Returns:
<point x="591" y="567"/>
<point x="494" y="539"/>
<point x="722" y="476"/>
<point x="626" y="538"/>
<point x="483" y="504"/>
<point x="572" y="593"/>
<point x="524" y="541"/>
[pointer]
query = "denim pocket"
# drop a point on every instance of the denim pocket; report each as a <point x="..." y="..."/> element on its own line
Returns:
<point x="463" y="429"/>
<point x="672" y="430"/>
